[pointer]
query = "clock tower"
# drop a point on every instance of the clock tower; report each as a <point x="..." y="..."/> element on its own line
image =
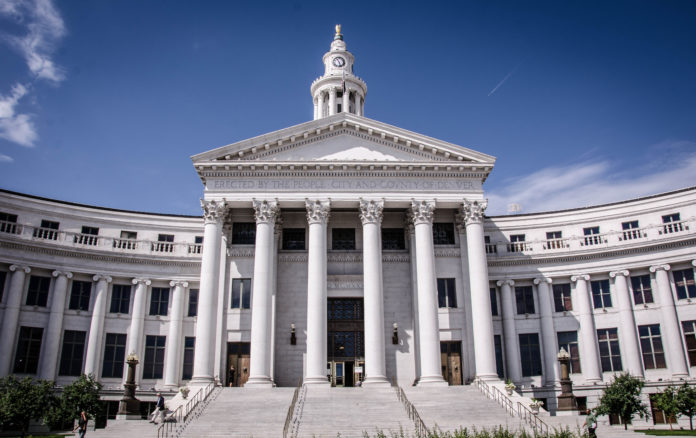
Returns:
<point x="338" y="90"/>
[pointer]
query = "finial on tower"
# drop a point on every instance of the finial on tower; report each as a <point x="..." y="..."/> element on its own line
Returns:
<point x="338" y="35"/>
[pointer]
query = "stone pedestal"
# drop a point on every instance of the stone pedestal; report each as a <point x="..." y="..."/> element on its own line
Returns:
<point x="567" y="403"/>
<point x="129" y="406"/>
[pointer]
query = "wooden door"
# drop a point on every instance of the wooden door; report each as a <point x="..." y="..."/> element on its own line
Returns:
<point x="237" y="363"/>
<point x="451" y="360"/>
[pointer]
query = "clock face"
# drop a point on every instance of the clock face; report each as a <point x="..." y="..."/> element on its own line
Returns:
<point x="339" y="62"/>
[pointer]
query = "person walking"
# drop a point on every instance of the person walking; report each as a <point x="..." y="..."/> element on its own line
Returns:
<point x="81" y="427"/>
<point x="159" y="410"/>
<point x="591" y="424"/>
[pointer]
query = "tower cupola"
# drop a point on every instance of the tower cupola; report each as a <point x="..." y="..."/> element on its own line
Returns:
<point x="338" y="90"/>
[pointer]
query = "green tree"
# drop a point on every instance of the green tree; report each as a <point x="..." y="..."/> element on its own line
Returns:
<point x="686" y="399"/>
<point x="622" y="398"/>
<point x="667" y="402"/>
<point x="80" y="395"/>
<point x="24" y="400"/>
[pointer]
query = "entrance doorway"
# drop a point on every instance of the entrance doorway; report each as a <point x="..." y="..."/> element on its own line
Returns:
<point x="237" y="363"/>
<point x="451" y="359"/>
<point x="346" y="345"/>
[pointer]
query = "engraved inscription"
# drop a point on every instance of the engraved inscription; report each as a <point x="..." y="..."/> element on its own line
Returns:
<point x="340" y="185"/>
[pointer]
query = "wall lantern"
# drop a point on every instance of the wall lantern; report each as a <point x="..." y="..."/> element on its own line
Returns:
<point x="293" y="339"/>
<point x="395" y="335"/>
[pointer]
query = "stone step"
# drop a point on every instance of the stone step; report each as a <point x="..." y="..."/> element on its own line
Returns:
<point x="125" y="428"/>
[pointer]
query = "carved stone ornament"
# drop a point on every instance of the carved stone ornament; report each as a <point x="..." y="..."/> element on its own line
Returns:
<point x="265" y="211"/>
<point x="371" y="211"/>
<point x="473" y="211"/>
<point x="317" y="211"/>
<point x="422" y="211"/>
<point x="213" y="211"/>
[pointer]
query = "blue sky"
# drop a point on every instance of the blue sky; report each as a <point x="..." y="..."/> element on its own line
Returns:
<point x="104" y="102"/>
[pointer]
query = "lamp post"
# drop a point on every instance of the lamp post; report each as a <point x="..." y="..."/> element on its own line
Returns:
<point x="129" y="407"/>
<point x="566" y="400"/>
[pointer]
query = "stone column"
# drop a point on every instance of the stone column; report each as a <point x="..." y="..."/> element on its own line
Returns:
<point x="428" y="324"/>
<point x="671" y="332"/>
<point x="358" y="104"/>
<point x="589" y="348"/>
<point x="630" y="349"/>
<point x="96" y="326"/>
<point x="274" y="287"/>
<point x="135" y="333"/>
<point x="317" y="217"/>
<point x="172" y="371"/>
<point x="262" y="290"/>
<point x="11" y="318"/>
<point x="484" y="344"/>
<point x="332" y="101"/>
<point x="316" y="108"/>
<point x="548" y="332"/>
<point x="203" y="364"/>
<point x="411" y="234"/>
<point x="375" y="365"/>
<point x="512" y="347"/>
<point x="345" y="106"/>
<point x="320" y="110"/>
<point x="51" y="345"/>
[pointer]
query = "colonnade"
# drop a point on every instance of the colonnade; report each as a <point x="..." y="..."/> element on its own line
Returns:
<point x="330" y="94"/>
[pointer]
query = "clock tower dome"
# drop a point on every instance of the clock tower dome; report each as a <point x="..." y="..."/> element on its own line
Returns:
<point x="338" y="90"/>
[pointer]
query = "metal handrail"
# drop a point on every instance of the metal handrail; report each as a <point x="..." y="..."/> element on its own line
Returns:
<point x="496" y="394"/>
<point x="177" y="421"/>
<point x="540" y="427"/>
<point x="291" y="409"/>
<point x="421" y="429"/>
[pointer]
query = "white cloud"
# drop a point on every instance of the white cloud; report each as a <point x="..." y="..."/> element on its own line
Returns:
<point x="6" y="159"/>
<point x="17" y="128"/>
<point x="592" y="183"/>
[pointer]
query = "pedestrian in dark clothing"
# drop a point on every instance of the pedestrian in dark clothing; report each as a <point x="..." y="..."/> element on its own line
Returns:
<point x="81" y="427"/>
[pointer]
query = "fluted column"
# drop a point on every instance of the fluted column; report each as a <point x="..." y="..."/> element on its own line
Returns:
<point x="135" y="333"/>
<point x="96" y="327"/>
<point x="345" y="106"/>
<point x="11" y="318"/>
<point x="630" y="349"/>
<point x="172" y="371"/>
<point x="375" y="366"/>
<point x="332" y="101"/>
<point x="320" y="110"/>
<point x="262" y="305"/>
<point x="428" y="324"/>
<point x="484" y="344"/>
<point x="203" y="364"/>
<point x="589" y="348"/>
<point x="51" y="345"/>
<point x="548" y="332"/>
<point x="671" y="333"/>
<point x="512" y="348"/>
<point x="317" y="217"/>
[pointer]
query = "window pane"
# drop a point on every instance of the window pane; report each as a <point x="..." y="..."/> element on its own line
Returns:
<point x="443" y="233"/>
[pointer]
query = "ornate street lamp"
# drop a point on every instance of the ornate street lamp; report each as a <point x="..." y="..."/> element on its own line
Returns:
<point x="129" y="407"/>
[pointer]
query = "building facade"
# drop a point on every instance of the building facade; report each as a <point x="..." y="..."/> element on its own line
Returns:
<point x="343" y="250"/>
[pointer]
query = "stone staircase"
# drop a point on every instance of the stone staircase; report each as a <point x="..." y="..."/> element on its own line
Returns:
<point x="124" y="428"/>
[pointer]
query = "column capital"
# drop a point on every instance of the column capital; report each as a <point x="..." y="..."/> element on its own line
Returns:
<point x="180" y="283"/>
<point x="213" y="211"/>
<point x="460" y="222"/>
<point x="408" y="222"/>
<point x="505" y="283"/>
<point x="26" y="269"/>
<point x="278" y="225"/>
<point x="693" y="262"/>
<point x="145" y="281"/>
<point x="371" y="211"/>
<point x="65" y="274"/>
<point x="540" y="280"/>
<point x="656" y="268"/>
<point x="577" y="277"/>
<point x="622" y="272"/>
<point x="265" y="212"/>
<point x="102" y="277"/>
<point x="472" y="211"/>
<point x="317" y="211"/>
<point x="422" y="211"/>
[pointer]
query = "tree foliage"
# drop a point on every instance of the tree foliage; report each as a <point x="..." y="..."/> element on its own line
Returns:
<point x="82" y="394"/>
<point x="667" y="402"/>
<point x="24" y="400"/>
<point x="686" y="400"/>
<point x="622" y="398"/>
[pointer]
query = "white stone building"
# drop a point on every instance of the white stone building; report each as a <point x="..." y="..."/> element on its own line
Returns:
<point x="348" y="248"/>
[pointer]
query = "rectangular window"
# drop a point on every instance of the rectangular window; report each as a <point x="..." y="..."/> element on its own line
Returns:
<point x="241" y="293"/>
<point x="393" y="238"/>
<point x="592" y="236"/>
<point x="193" y="302"/>
<point x="672" y="223"/>
<point x="601" y="295"/>
<point x="160" y="301"/>
<point x="294" y="238"/>
<point x="8" y="223"/>
<point x="72" y="353"/>
<point x="631" y="230"/>
<point x="3" y="279"/>
<point x="690" y="340"/>
<point x="530" y="354"/>
<point x="343" y="238"/>
<point x="165" y="243"/>
<point x="554" y="240"/>
<point x="561" y="297"/>
<point x="494" y="301"/>
<point x="114" y="355"/>
<point x="651" y="346"/>
<point x="642" y="291"/>
<point x="127" y="240"/>
<point x="120" y="298"/>
<point x="498" y="343"/>
<point x="517" y="243"/>
<point x="189" y="350"/>
<point x="446" y="293"/>
<point x="28" y="349"/>
<point x="79" y="295"/>
<point x="684" y="282"/>
<point x="609" y="352"/>
<point x="37" y="294"/>
<point x="88" y="236"/>
<point x="569" y="342"/>
<point x="154" y="357"/>
<point x="524" y="297"/>
<point x="243" y="233"/>
<point x="48" y="230"/>
<point x="443" y="233"/>
<point x="491" y="248"/>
